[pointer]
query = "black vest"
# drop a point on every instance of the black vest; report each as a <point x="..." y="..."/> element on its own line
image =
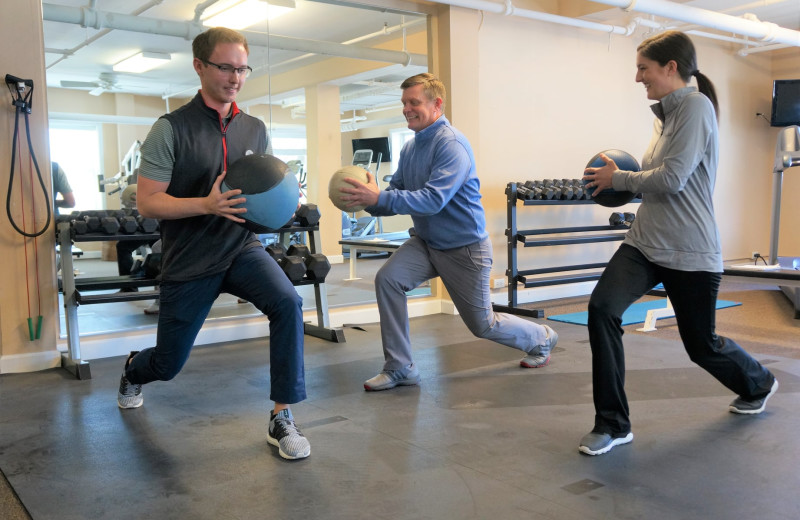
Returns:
<point x="199" y="246"/>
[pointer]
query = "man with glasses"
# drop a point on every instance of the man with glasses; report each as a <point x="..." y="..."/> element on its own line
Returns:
<point x="205" y="251"/>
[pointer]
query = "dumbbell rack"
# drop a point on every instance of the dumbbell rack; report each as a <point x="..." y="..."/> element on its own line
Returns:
<point x="529" y="278"/>
<point x="71" y="360"/>
<point x="322" y="329"/>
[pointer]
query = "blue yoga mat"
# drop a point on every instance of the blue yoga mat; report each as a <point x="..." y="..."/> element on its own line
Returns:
<point x="636" y="313"/>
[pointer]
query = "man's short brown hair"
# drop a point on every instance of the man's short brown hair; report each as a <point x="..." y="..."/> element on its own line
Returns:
<point x="205" y="42"/>
<point x="432" y="86"/>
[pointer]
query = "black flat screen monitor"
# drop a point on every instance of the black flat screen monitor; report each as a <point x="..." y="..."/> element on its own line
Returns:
<point x="785" y="102"/>
<point x="377" y="145"/>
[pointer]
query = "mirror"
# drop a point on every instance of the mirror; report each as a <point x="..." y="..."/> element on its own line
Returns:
<point x="365" y="52"/>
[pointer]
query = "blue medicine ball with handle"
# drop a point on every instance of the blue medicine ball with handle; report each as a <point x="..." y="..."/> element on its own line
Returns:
<point x="270" y="189"/>
<point x="610" y="197"/>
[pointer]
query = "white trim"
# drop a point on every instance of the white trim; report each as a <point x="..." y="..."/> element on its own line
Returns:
<point x="29" y="362"/>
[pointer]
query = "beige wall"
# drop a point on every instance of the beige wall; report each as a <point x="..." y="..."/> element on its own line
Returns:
<point x="27" y="279"/>
<point x="549" y="97"/>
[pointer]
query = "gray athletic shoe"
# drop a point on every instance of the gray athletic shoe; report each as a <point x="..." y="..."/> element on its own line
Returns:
<point x="129" y="395"/>
<point x="536" y="360"/>
<point x="285" y="434"/>
<point x="741" y="406"/>
<point x="599" y="443"/>
<point x="387" y="379"/>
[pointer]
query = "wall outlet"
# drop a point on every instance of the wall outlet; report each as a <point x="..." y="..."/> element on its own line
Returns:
<point x="498" y="283"/>
<point x="755" y="255"/>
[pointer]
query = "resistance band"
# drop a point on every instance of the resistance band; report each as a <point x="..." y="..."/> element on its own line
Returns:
<point x="21" y="94"/>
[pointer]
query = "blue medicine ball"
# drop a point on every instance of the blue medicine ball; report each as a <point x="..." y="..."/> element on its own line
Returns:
<point x="610" y="197"/>
<point x="270" y="189"/>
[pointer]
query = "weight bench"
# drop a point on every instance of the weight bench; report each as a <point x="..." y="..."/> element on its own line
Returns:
<point x="383" y="242"/>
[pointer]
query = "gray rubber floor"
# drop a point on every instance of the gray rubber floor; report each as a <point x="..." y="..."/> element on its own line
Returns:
<point x="480" y="438"/>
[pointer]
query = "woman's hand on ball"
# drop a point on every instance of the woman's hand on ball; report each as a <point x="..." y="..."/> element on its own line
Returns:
<point x="599" y="179"/>
<point x="221" y="204"/>
<point x="361" y="194"/>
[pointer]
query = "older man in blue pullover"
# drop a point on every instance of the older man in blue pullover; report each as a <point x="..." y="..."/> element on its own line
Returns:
<point x="436" y="184"/>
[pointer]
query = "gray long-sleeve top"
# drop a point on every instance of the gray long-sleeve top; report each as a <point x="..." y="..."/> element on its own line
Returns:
<point x="675" y="225"/>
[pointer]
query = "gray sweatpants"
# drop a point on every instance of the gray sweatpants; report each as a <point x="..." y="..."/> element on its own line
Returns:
<point x="465" y="274"/>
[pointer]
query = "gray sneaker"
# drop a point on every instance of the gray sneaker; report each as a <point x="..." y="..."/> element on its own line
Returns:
<point x="387" y="379"/>
<point x="536" y="360"/>
<point x="129" y="395"/>
<point x="285" y="434"/>
<point x="599" y="443"/>
<point x="741" y="406"/>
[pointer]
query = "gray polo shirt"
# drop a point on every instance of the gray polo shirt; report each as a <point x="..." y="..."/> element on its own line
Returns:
<point x="675" y="225"/>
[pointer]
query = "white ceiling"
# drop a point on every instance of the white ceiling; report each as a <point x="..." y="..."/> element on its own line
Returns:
<point x="75" y="53"/>
<point x="80" y="54"/>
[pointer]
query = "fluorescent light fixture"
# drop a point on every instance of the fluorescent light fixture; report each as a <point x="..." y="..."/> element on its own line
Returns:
<point x="142" y="62"/>
<point x="238" y="14"/>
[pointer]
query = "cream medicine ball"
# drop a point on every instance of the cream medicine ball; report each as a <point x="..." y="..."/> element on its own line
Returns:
<point x="337" y="181"/>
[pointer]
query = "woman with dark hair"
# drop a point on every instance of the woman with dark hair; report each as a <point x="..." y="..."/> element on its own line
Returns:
<point x="674" y="241"/>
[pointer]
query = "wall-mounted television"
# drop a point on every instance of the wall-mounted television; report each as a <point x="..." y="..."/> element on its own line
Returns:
<point x="785" y="102"/>
<point x="377" y="145"/>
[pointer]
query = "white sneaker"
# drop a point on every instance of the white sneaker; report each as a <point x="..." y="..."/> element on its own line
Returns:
<point x="154" y="308"/>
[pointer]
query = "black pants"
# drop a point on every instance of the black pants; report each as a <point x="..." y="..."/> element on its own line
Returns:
<point x="628" y="276"/>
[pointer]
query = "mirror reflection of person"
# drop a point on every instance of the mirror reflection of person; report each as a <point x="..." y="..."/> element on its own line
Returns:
<point x="61" y="187"/>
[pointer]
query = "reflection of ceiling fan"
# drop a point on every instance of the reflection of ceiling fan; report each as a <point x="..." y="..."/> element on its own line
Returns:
<point x="106" y="82"/>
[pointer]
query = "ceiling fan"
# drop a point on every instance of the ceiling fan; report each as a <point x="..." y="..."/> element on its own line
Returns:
<point x="107" y="81"/>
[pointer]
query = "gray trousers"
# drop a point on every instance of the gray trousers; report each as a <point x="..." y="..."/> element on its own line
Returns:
<point x="465" y="274"/>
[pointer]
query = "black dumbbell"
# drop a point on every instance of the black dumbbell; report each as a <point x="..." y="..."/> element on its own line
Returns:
<point x="567" y="192"/>
<point x="147" y="225"/>
<point x="79" y="226"/>
<point x="294" y="267"/>
<point x="629" y="217"/>
<point x="276" y="251"/>
<point x="548" y="192"/>
<point x="618" y="219"/>
<point x="128" y="224"/>
<point x="152" y="265"/>
<point x="317" y="267"/>
<point x="109" y="225"/>
<point x="308" y="215"/>
<point x="525" y="193"/>
<point x="298" y="250"/>
<point x="92" y="223"/>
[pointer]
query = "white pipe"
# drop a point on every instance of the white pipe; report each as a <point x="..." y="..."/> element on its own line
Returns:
<point x="95" y="19"/>
<point x="384" y="32"/>
<point x="764" y="31"/>
<point x="102" y="118"/>
<point x="508" y="9"/>
<point x="763" y="48"/>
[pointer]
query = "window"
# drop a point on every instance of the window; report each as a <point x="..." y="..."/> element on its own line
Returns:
<point x="76" y="147"/>
<point x="398" y="138"/>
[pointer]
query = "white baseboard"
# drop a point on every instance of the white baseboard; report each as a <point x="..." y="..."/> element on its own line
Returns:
<point x="29" y="362"/>
<point x="251" y="327"/>
<point x="540" y="294"/>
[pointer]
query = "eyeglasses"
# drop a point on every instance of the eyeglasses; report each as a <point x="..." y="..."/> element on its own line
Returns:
<point x="227" y="69"/>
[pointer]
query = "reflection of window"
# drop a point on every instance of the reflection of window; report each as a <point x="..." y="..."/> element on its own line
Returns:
<point x="398" y="138"/>
<point x="76" y="147"/>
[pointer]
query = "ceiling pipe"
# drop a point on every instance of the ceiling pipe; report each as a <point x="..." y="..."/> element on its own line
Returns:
<point x="70" y="52"/>
<point x="87" y="17"/>
<point x="714" y="36"/>
<point x="765" y="31"/>
<point x="508" y="9"/>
